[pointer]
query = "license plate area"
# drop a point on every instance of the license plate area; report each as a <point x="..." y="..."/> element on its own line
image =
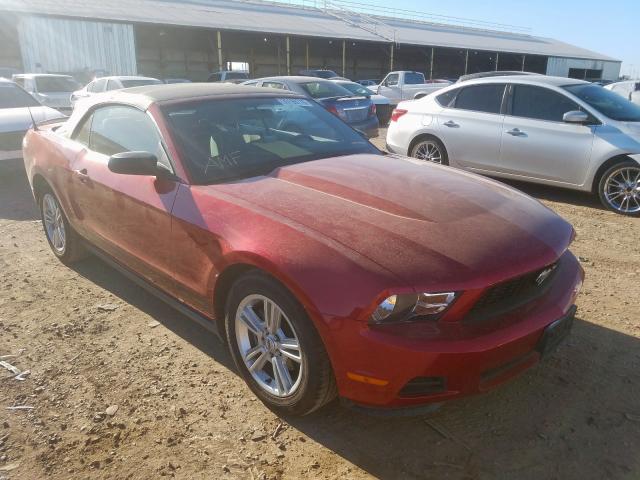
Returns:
<point x="556" y="333"/>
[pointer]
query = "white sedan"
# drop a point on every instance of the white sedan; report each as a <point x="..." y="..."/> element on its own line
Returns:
<point x="556" y="131"/>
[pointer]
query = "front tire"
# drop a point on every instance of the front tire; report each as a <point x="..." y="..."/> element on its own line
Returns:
<point x="619" y="188"/>
<point x="276" y="347"/>
<point x="65" y="243"/>
<point x="431" y="149"/>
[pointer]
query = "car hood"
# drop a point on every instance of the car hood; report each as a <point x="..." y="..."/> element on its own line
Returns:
<point x="432" y="226"/>
<point x="19" y="119"/>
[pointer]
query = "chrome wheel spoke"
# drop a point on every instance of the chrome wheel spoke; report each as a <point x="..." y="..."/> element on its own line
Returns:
<point x="272" y="316"/>
<point x="252" y="321"/>
<point x="289" y="348"/>
<point x="253" y="352"/>
<point x="282" y="375"/>
<point x="259" y="363"/>
<point x="622" y="190"/>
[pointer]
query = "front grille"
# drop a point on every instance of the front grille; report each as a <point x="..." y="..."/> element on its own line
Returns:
<point x="10" y="141"/>
<point x="511" y="294"/>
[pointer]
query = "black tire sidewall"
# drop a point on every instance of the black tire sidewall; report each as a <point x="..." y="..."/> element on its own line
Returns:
<point x="305" y="398"/>
<point x="431" y="138"/>
<point x="601" y="186"/>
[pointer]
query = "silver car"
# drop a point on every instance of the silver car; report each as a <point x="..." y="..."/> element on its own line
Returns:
<point x="106" y="84"/>
<point x="551" y="130"/>
<point x="49" y="89"/>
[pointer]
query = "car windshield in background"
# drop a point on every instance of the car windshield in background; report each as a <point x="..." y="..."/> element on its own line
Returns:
<point x="12" y="96"/>
<point x="139" y="83"/>
<point x="237" y="76"/>
<point x="356" y="89"/>
<point x="325" y="73"/>
<point x="606" y="102"/>
<point x="413" y="78"/>
<point x="56" y="84"/>
<point x="324" y="89"/>
<point x="224" y="140"/>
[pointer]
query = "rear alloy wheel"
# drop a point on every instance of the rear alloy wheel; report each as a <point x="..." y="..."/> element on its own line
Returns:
<point x="619" y="188"/>
<point x="430" y="149"/>
<point x="276" y="347"/>
<point x="63" y="240"/>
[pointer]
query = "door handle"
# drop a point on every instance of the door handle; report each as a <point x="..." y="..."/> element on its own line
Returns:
<point x="516" y="132"/>
<point x="82" y="175"/>
<point x="451" y="124"/>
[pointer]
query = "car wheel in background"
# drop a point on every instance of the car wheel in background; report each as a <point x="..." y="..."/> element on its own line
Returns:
<point x="619" y="188"/>
<point x="276" y="348"/>
<point x="63" y="240"/>
<point x="431" y="149"/>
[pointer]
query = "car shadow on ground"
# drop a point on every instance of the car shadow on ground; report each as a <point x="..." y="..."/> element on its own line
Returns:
<point x="557" y="194"/>
<point x="587" y="393"/>
<point x="16" y="201"/>
<point x="108" y="278"/>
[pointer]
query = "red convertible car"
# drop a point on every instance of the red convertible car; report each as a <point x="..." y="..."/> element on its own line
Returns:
<point x="330" y="268"/>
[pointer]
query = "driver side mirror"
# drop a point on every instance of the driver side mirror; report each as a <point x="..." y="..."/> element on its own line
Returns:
<point x="575" y="116"/>
<point x="134" y="163"/>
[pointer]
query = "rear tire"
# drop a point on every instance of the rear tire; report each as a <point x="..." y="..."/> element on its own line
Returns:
<point x="619" y="188"/>
<point x="65" y="243"/>
<point x="430" y="149"/>
<point x="283" y="361"/>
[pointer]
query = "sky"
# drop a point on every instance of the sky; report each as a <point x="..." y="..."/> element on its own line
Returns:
<point x="609" y="27"/>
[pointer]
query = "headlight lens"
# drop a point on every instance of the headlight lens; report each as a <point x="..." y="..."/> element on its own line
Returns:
<point x="399" y="308"/>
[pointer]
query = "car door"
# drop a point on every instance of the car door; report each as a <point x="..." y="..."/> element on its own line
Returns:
<point x="390" y="89"/>
<point x="471" y="125"/>
<point x="127" y="216"/>
<point x="537" y="143"/>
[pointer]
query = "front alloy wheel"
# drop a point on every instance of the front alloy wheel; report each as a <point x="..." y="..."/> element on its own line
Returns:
<point x="269" y="345"/>
<point x="620" y="188"/>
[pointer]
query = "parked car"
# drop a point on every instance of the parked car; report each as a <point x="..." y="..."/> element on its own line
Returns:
<point x="550" y="130"/>
<point x="51" y="90"/>
<point x="229" y="76"/>
<point x="496" y="73"/>
<point x="8" y="72"/>
<point x="106" y="84"/>
<point x="356" y="110"/>
<point x="624" y="89"/>
<point x="368" y="83"/>
<point x="320" y="73"/>
<point x="18" y="111"/>
<point x="383" y="105"/>
<point x="404" y="85"/>
<point x="329" y="268"/>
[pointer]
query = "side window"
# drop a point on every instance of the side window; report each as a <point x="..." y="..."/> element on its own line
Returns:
<point x="481" y="98"/>
<point x="112" y="85"/>
<point x="117" y="129"/>
<point x="274" y="85"/>
<point x="446" y="99"/>
<point x="540" y="103"/>
<point x="81" y="135"/>
<point x="392" y="80"/>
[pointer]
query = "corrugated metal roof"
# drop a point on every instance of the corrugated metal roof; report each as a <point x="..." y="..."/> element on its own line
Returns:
<point x="284" y="19"/>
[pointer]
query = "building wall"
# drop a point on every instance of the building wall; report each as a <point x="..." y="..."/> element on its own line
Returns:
<point x="52" y="44"/>
<point x="560" y="66"/>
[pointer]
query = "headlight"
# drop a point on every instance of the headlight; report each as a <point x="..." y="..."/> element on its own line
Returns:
<point x="399" y="308"/>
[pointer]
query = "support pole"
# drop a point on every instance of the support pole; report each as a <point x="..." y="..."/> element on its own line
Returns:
<point x="433" y="52"/>
<point x="497" y="57"/>
<point x="307" y="54"/>
<point x="523" y="58"/>
<point x="344" y="58"/>
<point x="466" y="62"/>
<point x="391" y="64"/>
<point x="288" y="56"/>
<point x="219" y="37"/>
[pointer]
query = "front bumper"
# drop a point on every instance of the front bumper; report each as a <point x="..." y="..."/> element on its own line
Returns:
<point x="374" y="366"/>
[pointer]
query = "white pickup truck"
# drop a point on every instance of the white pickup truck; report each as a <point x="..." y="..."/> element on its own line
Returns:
<point x="405" y="85"/>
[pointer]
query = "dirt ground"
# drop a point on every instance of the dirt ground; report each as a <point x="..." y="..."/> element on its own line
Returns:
<point x="91" y="340"/>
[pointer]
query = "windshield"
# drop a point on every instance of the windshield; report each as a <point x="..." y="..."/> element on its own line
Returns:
<point x="356" y="89"/>
<point x="236" y="76"/>
<point x="56" y="84"/>
<point x="413" y="78"/>
<point x="224" y="140"/>
<point x="12" y="96"/>
<point x="139" y="83"/>
<point x="324" y="89"/>
<point x="606" y="102"/>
